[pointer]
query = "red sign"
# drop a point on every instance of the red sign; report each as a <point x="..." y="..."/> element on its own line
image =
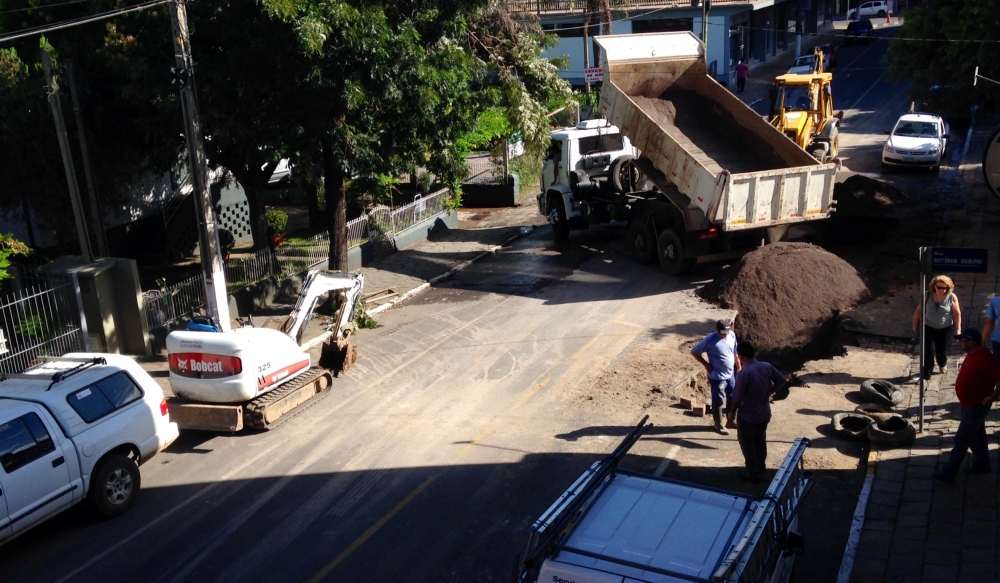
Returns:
<point x="197" y="365"/>
<point x="277" y="376"/>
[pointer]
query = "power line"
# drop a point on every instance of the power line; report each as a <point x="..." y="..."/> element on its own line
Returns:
<point x="79" y="21"/>
<point x="13" y="10"/>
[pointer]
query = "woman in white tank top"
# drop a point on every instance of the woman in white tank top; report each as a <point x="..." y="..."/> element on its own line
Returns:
<point x="941" y="313"/>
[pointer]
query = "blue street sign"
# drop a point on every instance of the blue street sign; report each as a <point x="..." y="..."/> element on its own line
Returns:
<point x="956" y="260"/>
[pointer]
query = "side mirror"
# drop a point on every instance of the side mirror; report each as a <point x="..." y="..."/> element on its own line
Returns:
<point x="795" y="543"/>
<point x="888" y="132"/>
<point x="946" y="136"/>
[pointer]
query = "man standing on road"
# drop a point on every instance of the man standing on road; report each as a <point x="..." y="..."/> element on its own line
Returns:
<point x="754" y="384"/>
<point x="976" y="388"/>
<point x="991" y="334"/>
<point x="742" y="72"/>
<point x="721" y="349"/>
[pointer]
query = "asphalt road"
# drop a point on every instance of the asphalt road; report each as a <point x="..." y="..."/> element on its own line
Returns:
<point x="430" y="459"/>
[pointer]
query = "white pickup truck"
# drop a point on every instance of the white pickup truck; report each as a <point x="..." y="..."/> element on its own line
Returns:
<point x="616" y="526"/>
<point x="76" y="427"/>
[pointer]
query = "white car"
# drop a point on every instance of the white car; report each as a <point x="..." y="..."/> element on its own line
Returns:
<point x="76" y="427"/>
<point x="803" y="65"/>
<point x="879" y="8"/>
<point x="919" y="139"/>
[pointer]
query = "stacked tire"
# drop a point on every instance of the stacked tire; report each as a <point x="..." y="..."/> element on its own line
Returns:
<point x="876" y="420"/>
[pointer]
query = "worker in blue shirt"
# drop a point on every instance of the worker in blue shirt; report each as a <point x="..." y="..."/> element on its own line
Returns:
<point x="722" y="365"/>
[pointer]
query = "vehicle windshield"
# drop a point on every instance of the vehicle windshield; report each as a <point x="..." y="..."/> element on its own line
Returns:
<point x="601" y="143"/>
<point x="797" y="98"/>
<point x="803" y="61"/>
<point x="916" y="129"/>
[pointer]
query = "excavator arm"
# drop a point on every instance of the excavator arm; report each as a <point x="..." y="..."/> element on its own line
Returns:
<point x="316" y="284"/>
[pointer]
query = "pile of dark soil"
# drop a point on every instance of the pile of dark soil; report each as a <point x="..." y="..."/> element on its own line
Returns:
<point x="789" y="297"/>
<point x="861" y="196"/>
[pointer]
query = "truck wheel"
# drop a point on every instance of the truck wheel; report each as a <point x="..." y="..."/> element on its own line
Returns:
<point x="670" y="251"/>
<point x="114" y="486"/>
<point x="881" y="12"/>
<point x="557" y="218"/>
<point x="624" y="174"/>
<point x="640" y="240"/>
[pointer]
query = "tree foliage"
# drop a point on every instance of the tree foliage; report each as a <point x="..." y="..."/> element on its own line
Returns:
<point x="939" y="47"/>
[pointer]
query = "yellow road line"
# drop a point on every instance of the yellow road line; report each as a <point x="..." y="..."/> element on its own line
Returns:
<point x="531" y="394"/>
<point x="371" y="531"/>
<point x="585" y="347"/>
<point x="475" y="440"/>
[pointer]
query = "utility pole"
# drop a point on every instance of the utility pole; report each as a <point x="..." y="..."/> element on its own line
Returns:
<point x="67" y="156"/>
<point x="217" y="299"/>
<point x="88" y="172"/>
<point x="704" y="26"/>
<point x="586" y="52"/>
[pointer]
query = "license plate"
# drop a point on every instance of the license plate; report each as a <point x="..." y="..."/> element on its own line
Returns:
<point x="907" y="158"/>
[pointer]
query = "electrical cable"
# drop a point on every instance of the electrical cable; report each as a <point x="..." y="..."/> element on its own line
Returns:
<point x="80" y="21"/>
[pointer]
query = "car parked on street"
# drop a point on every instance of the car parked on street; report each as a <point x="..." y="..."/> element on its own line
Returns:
<point x="803" y="65"/>
<point x="862" y="29"/>
<point x="76" y="427"/>
<point x="918" y="139"/>
<point x="876" y="8"/>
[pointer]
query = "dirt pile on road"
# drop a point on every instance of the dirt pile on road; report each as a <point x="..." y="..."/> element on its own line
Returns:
<point x="789" y="297"/>
<point x="861" y="196"/>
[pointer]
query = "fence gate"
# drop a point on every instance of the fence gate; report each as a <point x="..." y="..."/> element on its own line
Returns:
<point x="381" y="232"/>
<point x="39" y="321"/>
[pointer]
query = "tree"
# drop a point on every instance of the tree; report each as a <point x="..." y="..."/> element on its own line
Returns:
<point x="939" y="46"/>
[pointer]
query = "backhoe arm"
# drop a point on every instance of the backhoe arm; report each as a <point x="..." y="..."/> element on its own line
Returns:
<point x="315" y="285"/>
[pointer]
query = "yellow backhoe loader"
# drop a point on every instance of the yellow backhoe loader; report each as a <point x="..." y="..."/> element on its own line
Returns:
<point x="802" y="109"/>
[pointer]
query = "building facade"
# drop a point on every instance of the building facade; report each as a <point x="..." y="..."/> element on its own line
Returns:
<point x="753" y="31"/>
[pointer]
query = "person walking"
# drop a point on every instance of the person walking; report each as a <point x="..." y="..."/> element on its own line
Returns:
<point x="742" y="72"/>
<point x="755" y="383"/>
<point x="991" y="334"/>
<point x="941" y="313"/>
<point x="720" y="346"/>
<point x="976" y="388"/>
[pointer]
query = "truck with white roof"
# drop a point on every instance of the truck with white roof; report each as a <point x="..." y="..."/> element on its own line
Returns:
<point x="73" y="428"/>
<point x="696" y="173"/>
<point x="619" y="526"/>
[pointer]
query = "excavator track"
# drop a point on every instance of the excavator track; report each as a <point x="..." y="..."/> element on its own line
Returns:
<point x="263" y="411"/>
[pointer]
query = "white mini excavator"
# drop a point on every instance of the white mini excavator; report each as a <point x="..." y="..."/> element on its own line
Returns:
<point x="252" y="376"/>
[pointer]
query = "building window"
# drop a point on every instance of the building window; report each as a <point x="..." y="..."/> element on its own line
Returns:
<point x="663" y="25"/>
<point x="570" y="29"/>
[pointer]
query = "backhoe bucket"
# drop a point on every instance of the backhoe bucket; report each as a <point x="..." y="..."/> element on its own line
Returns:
<point x="337" y="356"/>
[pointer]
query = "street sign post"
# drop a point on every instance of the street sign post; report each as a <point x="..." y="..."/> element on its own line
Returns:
<point x="941" y="260"/>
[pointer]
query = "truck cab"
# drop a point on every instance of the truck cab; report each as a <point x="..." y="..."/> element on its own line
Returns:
<point x="579" y="160"/>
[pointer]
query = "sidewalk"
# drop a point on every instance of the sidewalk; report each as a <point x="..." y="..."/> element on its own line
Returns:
<point x="916" y="529"/>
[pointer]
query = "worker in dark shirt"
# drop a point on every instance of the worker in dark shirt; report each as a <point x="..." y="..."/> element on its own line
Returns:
<point x="755" y="382"/>
<point x="976" y="388"/>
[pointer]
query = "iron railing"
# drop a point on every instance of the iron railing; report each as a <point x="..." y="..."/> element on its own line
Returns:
<point x="38" y="320"/>
<point x="379" y="227"/>
<point x="578" y="6"/>
<point x="485" y="169"/>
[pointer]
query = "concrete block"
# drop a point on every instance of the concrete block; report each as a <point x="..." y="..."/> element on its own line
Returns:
<point x="698" y="411"/>
<point x="686" y="403"/>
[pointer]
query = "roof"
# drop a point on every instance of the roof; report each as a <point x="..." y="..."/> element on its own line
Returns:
<point x="919" y="117"/>
<point x="566" y="133"/>
<point x="671" y="526"/>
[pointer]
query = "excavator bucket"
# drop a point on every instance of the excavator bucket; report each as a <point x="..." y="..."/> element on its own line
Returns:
<point x="337" y="356"/>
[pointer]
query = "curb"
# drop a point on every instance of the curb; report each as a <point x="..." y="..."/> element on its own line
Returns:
<point x="858" y="523"/>
<point x="524" y="232"/>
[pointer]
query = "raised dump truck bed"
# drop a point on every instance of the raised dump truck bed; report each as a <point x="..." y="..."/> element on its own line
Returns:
<point x="730" y="164"/>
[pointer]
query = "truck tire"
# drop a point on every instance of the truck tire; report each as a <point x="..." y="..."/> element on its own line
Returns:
<point x="878" y="413"/>
<point x="895" y="432"/>
<point x="851" y="425"/>
<point x="624" y="174"/>
<point x="670" y="251"/>
<point x="557" y="218"/>
<point x="881" y="12"/>
<point x="641" y="242"/>
<point x="114" y="486"/>
<point x="881" y="392"/>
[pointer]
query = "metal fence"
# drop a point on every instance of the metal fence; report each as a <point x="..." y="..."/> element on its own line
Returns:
<point x="570" y="6"/>
<point x="379" y="227"/>
<point x="39" y="320"/>
<point x="485" y="169"/>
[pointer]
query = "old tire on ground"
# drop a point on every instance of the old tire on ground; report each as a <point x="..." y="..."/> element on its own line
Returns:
<point x="114" y="486"/>
<point x="897" y="431"/>
<point x="876" y="412"/>
<point x="624" y="174"/>
<point x="557" y="217"/>
<point x="641" y="241"/>
<point x="851" y="425"/>
<point x="670" y="252"/>
<point x="881" y="392"/>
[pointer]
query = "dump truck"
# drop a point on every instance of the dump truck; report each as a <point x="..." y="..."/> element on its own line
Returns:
<point x="617" y="526"/>
<point x="802" y="109"/>
<point x="697" y="175"/>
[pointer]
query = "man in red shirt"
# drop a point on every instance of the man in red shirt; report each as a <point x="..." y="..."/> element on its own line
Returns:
<point x="976" y="388"/>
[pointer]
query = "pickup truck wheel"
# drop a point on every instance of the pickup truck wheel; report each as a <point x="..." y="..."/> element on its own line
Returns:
<point x="114" y="486"/>
<point x="557" y="218"/>
<point x="640" y="239"/>
<point x="881" y="12"/>
<point x="670" y="252"/>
